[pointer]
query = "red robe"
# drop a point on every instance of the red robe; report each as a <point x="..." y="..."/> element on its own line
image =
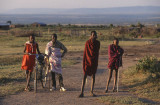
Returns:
<point x="90" y="57"/>
<point x="115" y="59"/>
<point x="28" y="61"/>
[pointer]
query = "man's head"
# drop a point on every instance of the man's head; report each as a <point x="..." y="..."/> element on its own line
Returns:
<point x="116" y="41"/>
<point x="93" y="35"/>
<point x="31" y="38"/>
<point x="54" y="38"/>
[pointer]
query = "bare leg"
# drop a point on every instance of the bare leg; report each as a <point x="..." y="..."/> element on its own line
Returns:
<point x="27" y="73"/>
<point x="115" y="79"/>
<point x="109" y="79"/>
<point x="93" y="81"/>
<point x="53" y="79"/>
<point x="26" y="76"/>
<point x="28" y="81"/>
<point x="83" y="84"/>
<point x="92" y="85"/>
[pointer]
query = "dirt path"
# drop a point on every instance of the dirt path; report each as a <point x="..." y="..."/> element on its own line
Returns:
<point x="72" y="81"/>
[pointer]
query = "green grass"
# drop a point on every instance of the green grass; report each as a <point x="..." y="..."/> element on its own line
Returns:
<point x="142" y="84"/>
<point x="15" y="45"/>
<point x="121" y="100"/>
<point x="11" y="76"/>
<point x="68" y="62"/>
<point x="12" y="79"/>
<point x="11" y="50"/>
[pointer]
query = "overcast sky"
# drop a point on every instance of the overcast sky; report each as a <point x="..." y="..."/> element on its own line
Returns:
<point x="12" y="4"/>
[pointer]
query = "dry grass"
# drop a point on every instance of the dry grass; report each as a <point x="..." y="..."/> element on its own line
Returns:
<point x="12" y="79"/>
<point x="141" y="84"/>
<point x="11" y="76"/>
<point x="122" y="100"/>
<point x="11" y="50"/>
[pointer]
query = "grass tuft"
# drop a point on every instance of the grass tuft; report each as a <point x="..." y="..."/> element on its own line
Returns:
<point x="122" y="100"/>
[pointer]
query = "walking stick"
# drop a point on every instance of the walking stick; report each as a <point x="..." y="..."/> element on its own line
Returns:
<point x="118" y="81"/>
<point x="118" y="75"/>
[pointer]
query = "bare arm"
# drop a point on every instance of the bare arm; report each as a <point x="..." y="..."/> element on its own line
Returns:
<point x="38" y="49"/>
<point x="64" y="50"/>
<point x="24" y="49"/>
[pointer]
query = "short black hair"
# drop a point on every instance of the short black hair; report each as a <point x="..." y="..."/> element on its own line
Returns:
<point x="116" y="39"/>
<point x="33" y="35"/>
<point x="55" y="35"/>
<point x="93" y="32"/>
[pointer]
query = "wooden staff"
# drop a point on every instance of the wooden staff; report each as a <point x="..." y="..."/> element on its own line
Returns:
<point x="118" y="74"/>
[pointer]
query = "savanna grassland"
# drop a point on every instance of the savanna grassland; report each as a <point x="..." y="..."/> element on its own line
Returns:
<point x="12" y="78"/>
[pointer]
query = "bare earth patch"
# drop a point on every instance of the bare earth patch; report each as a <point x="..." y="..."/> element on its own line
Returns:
<point x="73" y="78"/>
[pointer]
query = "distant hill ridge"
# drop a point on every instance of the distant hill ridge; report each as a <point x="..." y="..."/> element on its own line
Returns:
<point x="115" y="10"/>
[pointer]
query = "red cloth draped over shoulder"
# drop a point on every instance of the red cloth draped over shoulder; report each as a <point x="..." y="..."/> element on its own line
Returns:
<point x="90" y="57"/>
<point x="28" y="61"/>
<point x="115" y="56"/>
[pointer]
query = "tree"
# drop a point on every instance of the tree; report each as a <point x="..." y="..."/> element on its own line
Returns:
<point x="132" y="25"/>
<point x="111" y="25"/>
<point x="10" y="22"/>
<point x="140" y="25"/>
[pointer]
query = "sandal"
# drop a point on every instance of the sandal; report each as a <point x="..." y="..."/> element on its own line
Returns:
<point x="81" y="95"/>
<point x="29" y="88"/>
<point x="114" y="90"/>
<point x="26" y="89"/>
<point x="106" y="91"/>
<point x="93" y="95"/>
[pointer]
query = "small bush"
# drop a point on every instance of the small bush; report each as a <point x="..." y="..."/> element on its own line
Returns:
<point x="158" y="35"/>
<point x="148" y="64"/>
<point x="143" y="79"/>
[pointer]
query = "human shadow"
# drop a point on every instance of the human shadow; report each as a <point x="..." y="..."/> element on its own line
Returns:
<point x="5" y="80"/>
<point x="100" y="71"/>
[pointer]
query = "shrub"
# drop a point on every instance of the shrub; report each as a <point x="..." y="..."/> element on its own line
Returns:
<point x="158" y="35"/>
<point x="148" y="64"/>
<point x="133" y="34"/>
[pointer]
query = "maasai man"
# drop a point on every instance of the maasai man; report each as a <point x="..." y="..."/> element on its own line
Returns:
<point x="28" y="61"/>
<point x="90" y="61"/>
<point x="115" y="53"/>
<point x="53" y="50"/>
